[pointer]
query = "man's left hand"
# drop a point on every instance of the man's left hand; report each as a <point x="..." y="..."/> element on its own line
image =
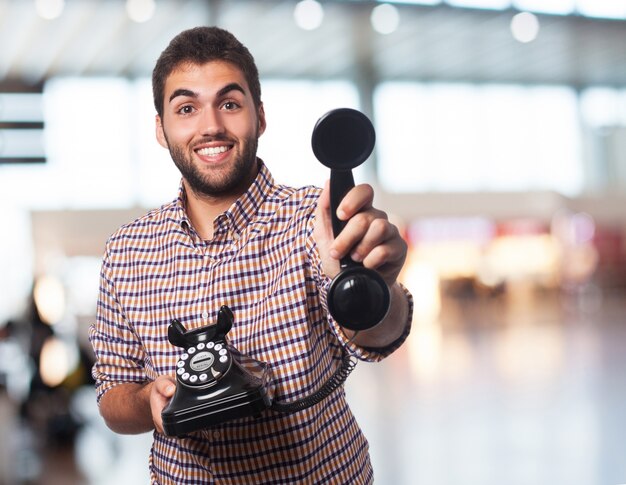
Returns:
<point x="368" y="236"/>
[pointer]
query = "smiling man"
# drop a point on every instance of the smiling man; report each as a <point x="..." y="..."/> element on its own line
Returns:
<point x="235" y="237"/>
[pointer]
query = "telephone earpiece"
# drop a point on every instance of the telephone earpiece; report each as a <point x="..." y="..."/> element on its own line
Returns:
<point x="358" y="297"/>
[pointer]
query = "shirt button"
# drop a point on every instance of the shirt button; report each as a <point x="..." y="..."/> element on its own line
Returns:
<point x="205" y="315"/>
<point x="216" y="434"/>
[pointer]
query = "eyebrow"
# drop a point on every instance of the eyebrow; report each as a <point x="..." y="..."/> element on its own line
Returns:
<point x="191" y="94"/>
<point x="231" y="87"/>
<point x="183" y="92"/>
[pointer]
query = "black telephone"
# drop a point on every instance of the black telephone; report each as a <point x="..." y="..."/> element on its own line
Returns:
<point x="215" y="382"/>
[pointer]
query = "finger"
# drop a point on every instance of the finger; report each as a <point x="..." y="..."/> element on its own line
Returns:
<point x="165" y="386"/>
<point x="355" y="230"/>
<point x="323" y="221"/>
<point x="323" y="202"/>
<point x="358" y="199"/>
<point x="388" y="258"/>
<point x="163" y="389"/>
<point x="387" y="261"/>
<point x="379" y="231"/>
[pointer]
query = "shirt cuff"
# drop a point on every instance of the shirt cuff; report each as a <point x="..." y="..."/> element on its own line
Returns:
<point x="368" y="354"/>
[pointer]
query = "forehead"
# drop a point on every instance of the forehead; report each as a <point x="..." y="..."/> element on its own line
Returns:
<point x="210" y="76"/>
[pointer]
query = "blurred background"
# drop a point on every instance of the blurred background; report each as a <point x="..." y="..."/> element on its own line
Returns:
<point x="501" y="154"/>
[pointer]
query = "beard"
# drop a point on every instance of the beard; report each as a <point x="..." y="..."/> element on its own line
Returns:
<point x="233" y="180"/>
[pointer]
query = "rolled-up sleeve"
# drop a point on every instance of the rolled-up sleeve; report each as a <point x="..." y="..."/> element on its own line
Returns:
<point x="118" y="351"/>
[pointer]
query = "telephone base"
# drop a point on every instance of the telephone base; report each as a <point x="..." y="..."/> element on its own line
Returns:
<point x="214" y="381"/>
<point x="243" y="394"/>
<point x="215" y="411"/>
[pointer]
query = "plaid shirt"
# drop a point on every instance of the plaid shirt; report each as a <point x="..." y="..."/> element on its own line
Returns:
<point x="262" y="262"/>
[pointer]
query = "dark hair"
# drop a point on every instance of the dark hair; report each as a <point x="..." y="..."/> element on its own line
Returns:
<point x="200" y="45"/>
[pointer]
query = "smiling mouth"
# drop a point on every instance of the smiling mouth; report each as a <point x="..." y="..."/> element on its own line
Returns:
<point x="213" y="151"/>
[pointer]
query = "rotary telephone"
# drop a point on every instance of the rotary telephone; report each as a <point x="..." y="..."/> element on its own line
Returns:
<point x="215" y="382"/>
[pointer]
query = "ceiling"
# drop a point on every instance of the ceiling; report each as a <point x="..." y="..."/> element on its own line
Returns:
<point x="96" y="37"/>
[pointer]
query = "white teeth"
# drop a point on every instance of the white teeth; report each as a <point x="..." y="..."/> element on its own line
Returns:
<point x="211" y="151"/>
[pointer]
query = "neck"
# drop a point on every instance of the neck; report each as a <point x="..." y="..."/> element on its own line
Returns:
<point x="204" y="209"/>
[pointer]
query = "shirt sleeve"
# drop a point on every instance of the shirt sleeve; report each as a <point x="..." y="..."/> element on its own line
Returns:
<point x="118" y="351"/>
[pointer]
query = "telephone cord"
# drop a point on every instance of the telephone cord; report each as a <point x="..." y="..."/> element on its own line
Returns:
<point x="335" y="381"/>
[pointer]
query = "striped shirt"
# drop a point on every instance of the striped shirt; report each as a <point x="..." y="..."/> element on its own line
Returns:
<point x="263" y="263"/>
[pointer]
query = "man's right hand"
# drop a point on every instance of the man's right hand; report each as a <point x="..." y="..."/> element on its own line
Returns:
<point x="134" y="407"/>
<point x="161" y="392"/>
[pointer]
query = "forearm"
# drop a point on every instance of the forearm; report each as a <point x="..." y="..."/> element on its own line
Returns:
<point x="126" y="408"/>
<point x="391" y="328"/>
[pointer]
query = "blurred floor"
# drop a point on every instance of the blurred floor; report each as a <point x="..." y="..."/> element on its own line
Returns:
<point x="523" y="388"/>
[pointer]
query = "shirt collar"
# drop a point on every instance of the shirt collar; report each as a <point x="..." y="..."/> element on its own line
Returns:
<point x="181" y="203"/>
<point x="243" y="210"/>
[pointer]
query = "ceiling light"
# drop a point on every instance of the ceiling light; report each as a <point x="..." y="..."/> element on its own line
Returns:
<point x="308" y="14"/>
<point x="140" y="10"/>
<point x="525" y="27"/>
<point x="49" y="9"/>
<point x="385" y="18"/>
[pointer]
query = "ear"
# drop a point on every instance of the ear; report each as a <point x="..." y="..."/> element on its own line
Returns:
<point x="160" y="134"/>
<point x="261" y="117"/>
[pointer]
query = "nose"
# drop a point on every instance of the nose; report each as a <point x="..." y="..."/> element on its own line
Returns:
<point x="211" y="122"/>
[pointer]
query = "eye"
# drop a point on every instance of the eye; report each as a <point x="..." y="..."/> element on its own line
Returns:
<point x="185" y="110"/>
<point x="230" y="105"/>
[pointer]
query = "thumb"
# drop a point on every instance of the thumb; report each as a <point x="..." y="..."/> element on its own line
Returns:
<point x="323" y="232"/>
<point x="323" y="203"/>
<point x="169" y="389"/>
<point x="323" y="221"/>
<point x="166" y="386"/>
<point x="162" y="390"/>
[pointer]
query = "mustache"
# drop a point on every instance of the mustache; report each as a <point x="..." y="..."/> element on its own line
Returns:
<point x="209" y="139"/>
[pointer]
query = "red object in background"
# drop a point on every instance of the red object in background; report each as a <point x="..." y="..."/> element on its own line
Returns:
<point x="609" y="242"/>
<point x="522" y="227"/>
<point x="610" y="245"/>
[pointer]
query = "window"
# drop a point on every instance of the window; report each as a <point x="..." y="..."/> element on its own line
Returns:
<point x="462" y="137"/>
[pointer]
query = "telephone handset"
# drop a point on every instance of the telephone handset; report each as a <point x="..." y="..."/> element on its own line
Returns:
<point x="214" y="382"/>
<point x="358" y="297"/>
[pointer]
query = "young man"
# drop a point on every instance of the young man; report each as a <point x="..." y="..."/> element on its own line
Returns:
<point x="234" y="237"/>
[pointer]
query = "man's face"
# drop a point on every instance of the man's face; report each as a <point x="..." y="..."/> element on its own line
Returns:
<point x="211" y="127"/>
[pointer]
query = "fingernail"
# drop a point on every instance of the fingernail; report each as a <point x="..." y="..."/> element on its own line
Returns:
<point x="356" y="257"/>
